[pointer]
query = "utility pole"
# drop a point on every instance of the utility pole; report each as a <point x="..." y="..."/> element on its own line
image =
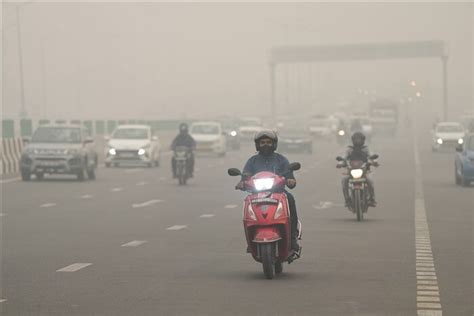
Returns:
<point x="23" y="112"/>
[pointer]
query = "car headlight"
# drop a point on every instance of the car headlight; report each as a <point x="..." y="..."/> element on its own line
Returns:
<point x="141" y="151"/>
<point x="460" y="141"/>
<point x="357" y="173"/>
<point x="341" y="133"/>
<point x="233" y="133"/>
<point x="439" y="141"/>
<point x="112" y="152"/>
<point x="263" y="184"/>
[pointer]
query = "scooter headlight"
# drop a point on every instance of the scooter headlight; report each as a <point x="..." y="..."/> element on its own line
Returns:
<point x="279" y="211"/>
<point x="251" y="213"/>
<point x="357" y="173"/>
<point x="460" y="141"/>
<point x="233" y="133"/>
<point x="263" y="184"/>
<point x="341" y="133"/>
<point x="439" y="141"/>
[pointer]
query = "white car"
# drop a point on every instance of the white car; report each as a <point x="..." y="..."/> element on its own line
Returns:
<point x="447" y="135"/>
<point x="133" y="144"/>
<point x="209" y="137"/>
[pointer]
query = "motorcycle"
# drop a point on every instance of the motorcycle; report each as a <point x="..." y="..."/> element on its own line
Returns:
<point x="358" y="187"/>
<point x="181" y="156"/>
<point x="266" y="220"/>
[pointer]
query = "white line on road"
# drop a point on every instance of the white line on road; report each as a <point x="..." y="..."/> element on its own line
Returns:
<point x="176" y="227"/>
<point x="87" y="196"/>
<point x="207" y="215"/>
<point x="230" y="206"/>
<point x="162" y="178"/>
<point x="145" y="204"/>
<point x="3" y="300"/>
<point x="10" y="180"/>
<point x="134" y="243"/>
<point x="74" y="267"/>
<point x="116" y="189"/>
<point x="428" y="287"/>
<point x="429" y="312"/>
<point x="46" y="205"/>
<point x="427" y="293"/>
<point x="2" y="214"/>
<point x="142" y="183"/>
<point x="133" y="170"/>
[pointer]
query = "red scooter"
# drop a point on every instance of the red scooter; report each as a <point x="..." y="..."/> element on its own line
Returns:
<point x="266" y="220"/>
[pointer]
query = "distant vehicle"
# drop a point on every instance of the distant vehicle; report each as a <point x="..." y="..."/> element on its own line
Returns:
<point x="232" y="132"/>
<point x="133" y="144"/>
<point x="59" y="149"/>
<point x="295" y="140"/>
<point x="249" y="126"/>
<point x="464" y="161"/>
<point x="209" y="137"/>
<point x="447" y="135"/>
<point x="321" y="127"/>
<point x="384" y="115"/>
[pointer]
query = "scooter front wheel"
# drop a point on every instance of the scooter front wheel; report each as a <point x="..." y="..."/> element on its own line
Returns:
<point x="266" y="251"/>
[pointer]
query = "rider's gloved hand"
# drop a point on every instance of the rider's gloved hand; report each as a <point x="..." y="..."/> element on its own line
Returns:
<point x="240" y="185"/>
<point x="291" y="183"/>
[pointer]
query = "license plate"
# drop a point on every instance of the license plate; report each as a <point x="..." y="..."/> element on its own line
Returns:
<point x="127" y="155"/>
<point x="49" y="163"/>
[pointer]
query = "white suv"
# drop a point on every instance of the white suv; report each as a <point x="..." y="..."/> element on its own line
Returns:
<point x="133" y="144"/>
<point x="209" y="137"/>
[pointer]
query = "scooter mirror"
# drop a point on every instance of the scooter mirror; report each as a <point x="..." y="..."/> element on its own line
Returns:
<point x="295" y="166"/>
<point x="233" y="172"/>
<point x="339" y="158"/>
<point x="374" y="157"/>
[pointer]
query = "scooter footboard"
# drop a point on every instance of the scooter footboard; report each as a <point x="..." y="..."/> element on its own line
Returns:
<point x="267" y="234"/>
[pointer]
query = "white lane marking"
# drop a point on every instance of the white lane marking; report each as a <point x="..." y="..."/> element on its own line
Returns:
<point x="134" y="243"/>
<point x="427" y="293"/>
<point x="427" y="282"/>
<point x="429" y="312"/>
<point x="145" y="204"/>
<point x="2" y="214"/>
<point x="133" y="170"/>
<point x="428" y="287"/>
<point x="207" y="215"/>
<point x="87" y="196"/>
<point x="10" y="180"/>
<point x="74" y="267"/>
<point x="230" y="206"/>
<point x="3" y="300"/>
<point x="116" y="189"/>
<point x="176" y="227"/>
<point x="46" y="205"/>
<point x="424" y="255"/>
<point x="141" y="183"/>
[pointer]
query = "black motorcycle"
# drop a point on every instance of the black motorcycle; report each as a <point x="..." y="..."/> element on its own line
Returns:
<point x="358" y="187"/>
<point x="181" y="156"/>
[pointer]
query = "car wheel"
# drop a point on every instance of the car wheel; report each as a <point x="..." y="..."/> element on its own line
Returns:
<point x="457" y="179"/>
<point x="25" y="175"/>
<point x="91" y="173"/>
<point x="465" y="182"/>
<point x="81" y="174"/>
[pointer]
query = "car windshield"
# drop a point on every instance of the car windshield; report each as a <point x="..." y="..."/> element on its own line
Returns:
<point x="205" y="129"/>
<point x="131" y="133"/>
<point x="292" y="132"/>
<point x="449" y="129"/>
<point x="57" y="135"/>
<point x="320" y="123"/>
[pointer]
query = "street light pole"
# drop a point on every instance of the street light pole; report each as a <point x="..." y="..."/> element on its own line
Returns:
<point x="23" y="112"/>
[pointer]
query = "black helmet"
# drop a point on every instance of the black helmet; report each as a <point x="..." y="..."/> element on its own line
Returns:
<point x="358" y="139"/>
<point x="183" y="128"/>
<point x="266" y="134"/>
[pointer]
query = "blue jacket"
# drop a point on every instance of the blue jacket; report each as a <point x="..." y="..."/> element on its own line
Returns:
<point x="275" y="163"/>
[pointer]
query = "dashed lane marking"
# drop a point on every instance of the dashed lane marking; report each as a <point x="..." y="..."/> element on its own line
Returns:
<point x="147" y="203"/>
<point x="46" y="205"/>
<point x="176" y="227"/>
<point x="74" y="267"/>
<point x="116" y="189"/>
<point x="10" y="180"/>
<point x="87" y="196"/>
<point x="141" y="183"/>
<point x="230" y="206"/>
<point x="207" y="215"/>
<point x="134" y="243"/>
<point x="3" y="300"/>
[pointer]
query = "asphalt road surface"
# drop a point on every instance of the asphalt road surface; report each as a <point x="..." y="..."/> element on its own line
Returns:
<point x="133" y="242"/>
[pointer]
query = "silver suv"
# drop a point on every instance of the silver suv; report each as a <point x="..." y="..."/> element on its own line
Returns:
<point x="59" y="149"/>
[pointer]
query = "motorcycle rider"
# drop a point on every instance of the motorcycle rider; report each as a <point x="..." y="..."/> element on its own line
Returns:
<point x="185" y="140"/>
<point x="266" y="142"/>
<point x="358" y="151"/>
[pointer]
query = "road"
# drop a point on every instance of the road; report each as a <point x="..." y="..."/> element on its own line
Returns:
<point x="135" y="243"/>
